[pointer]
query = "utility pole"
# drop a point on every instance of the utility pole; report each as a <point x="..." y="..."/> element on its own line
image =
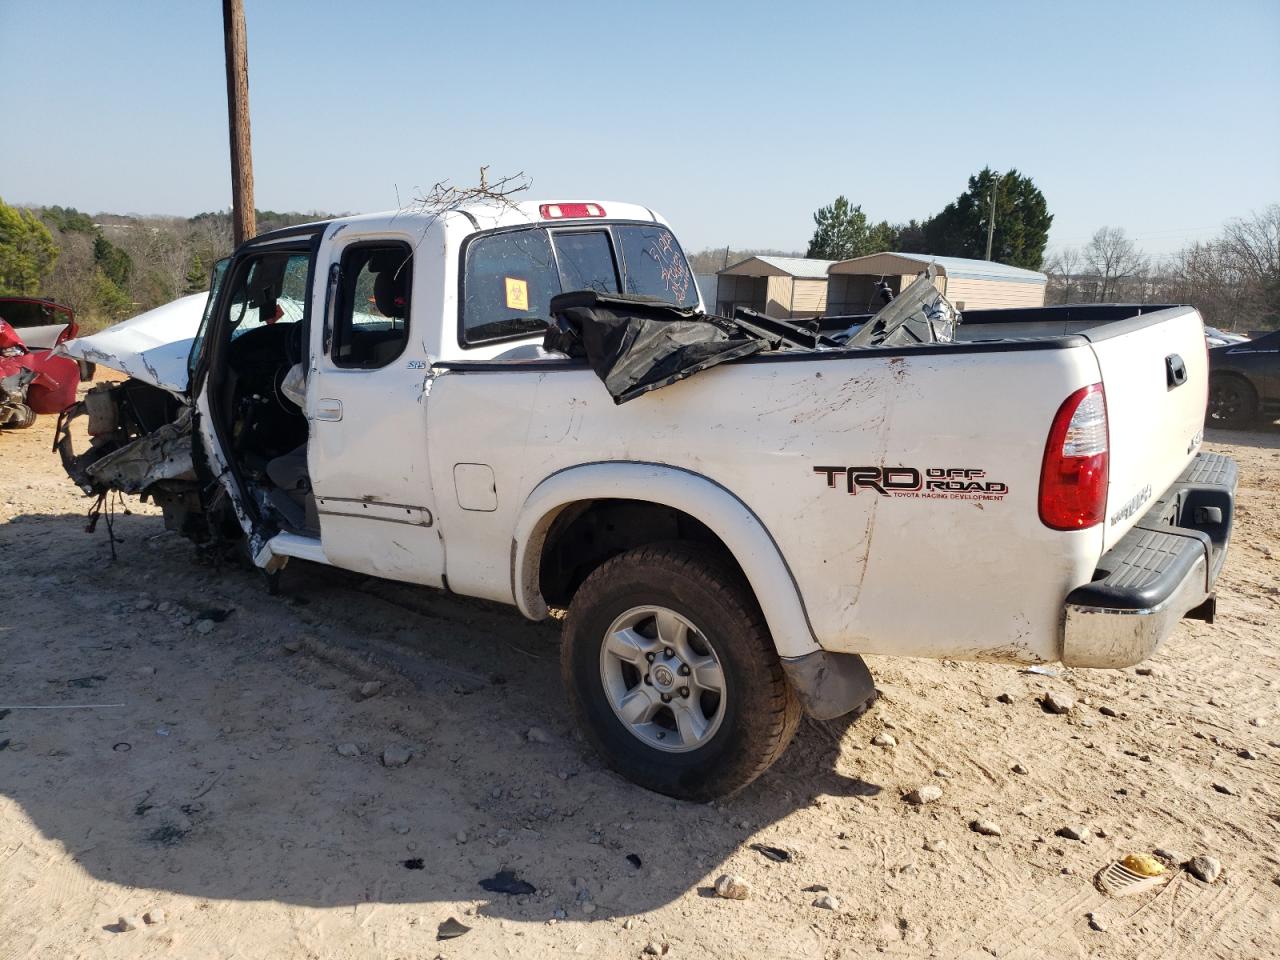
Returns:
<point x="991" y="220"/>
<point x="243" y="219"/>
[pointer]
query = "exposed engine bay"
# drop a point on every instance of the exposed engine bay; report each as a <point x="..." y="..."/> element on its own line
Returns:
<point x="141" y="441"/>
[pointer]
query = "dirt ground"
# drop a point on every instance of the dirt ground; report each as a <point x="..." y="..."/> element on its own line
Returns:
<point x="187" y="761"/>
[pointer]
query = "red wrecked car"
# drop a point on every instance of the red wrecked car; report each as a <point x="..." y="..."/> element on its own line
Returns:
<point x="33" y="381"/>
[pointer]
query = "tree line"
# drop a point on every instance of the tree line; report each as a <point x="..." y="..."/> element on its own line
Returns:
<point x="1233" y="279"/>
<point x="108" y="267"/>
<point x="843" y="231"/>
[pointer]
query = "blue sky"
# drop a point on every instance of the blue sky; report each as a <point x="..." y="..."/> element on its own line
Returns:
<point x="736" y="120"/>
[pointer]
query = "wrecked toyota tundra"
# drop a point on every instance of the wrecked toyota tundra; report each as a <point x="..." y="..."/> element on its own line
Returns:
<point x="526" y="403"/>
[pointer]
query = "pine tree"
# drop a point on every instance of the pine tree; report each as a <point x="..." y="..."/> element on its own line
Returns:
<point x="27" y="251"/>
<point x="841" y="232"/>
<point x="197" y="276"/>
<point x="1022" y="221"/>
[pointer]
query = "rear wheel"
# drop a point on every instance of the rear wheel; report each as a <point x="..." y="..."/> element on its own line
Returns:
<point x="672" y="673"/>
<point x="1232" y="401"/>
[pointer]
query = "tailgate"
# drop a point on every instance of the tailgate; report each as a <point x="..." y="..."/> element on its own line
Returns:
<point x="1155" y="374"/>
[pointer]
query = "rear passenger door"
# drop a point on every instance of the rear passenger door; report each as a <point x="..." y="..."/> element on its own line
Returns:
<point x="367" y="452"/>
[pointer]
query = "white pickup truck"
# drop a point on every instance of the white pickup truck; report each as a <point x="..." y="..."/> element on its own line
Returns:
<point x="380" y="393"/>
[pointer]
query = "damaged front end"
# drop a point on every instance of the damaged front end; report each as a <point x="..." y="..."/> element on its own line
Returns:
<point x="140" y="443"/>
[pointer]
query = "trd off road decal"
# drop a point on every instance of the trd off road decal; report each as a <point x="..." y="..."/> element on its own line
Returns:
<point x="934" y="483"/>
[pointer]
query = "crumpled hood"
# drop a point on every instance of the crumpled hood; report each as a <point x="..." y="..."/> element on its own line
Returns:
<point x="152" y="347"/>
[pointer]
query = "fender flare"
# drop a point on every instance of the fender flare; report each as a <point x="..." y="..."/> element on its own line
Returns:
<point x="700" y="497"/>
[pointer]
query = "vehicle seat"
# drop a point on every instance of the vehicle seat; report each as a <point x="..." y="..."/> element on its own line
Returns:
<point x="293" y="497"/>
<point x="389" y="293"/>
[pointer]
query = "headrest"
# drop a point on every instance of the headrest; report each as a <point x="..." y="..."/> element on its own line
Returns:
<point x="389" y="292"/>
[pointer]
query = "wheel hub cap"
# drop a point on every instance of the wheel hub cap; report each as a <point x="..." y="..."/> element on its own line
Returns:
<point x="663" y="679"/>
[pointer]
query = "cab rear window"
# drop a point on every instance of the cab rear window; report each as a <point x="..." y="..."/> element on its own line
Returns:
<point x="510" y="276"/>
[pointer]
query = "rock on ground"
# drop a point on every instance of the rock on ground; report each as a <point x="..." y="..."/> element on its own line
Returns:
<point x="396" y="755"/>
<point x="1204" y="868"/>
<point x="826" y="902"/>
<point x="1058" y="702"/>
<point x="988" y="828"/>
<point x="925" y="794"/>
<point x="730" y="886"/>
<point x="884" y="740"/>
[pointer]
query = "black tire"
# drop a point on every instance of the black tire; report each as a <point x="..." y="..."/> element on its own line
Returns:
<point x="21" y="417"/>
<point x="1233" y="402"/>
<point x="761" y="710"/>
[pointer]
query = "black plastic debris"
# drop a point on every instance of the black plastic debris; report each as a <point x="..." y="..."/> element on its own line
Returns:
<point x="634" y="860"/>
<point x="122" y="747"/>
<point x="414" y="863"/>
<point x="635" y="344"/>
<point x="505" y="881"/>
<point x="776" y="854"/>
<point x="450" y="929"/>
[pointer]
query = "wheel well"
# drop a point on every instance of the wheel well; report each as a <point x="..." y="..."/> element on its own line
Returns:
<point x="586" y="534"/>
<point x="1230" y="375"/>
<point x="1239" y="378"/>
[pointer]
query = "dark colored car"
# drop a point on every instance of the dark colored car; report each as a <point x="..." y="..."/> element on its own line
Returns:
<point x="1244" y="382"/>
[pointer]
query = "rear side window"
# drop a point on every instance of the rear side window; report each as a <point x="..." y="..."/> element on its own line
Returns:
<point x="655" y="265"/>
<point x="28" y="313"/>
<point x="371" y="322"/>
<point x="586" y="261"/>
<point x="509" y="278"/>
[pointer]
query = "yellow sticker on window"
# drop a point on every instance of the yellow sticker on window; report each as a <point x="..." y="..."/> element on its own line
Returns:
<point x="517" y="294"/>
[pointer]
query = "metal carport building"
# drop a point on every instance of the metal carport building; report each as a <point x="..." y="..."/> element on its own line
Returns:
<point x="782" y="287"/>
<point x="971" y="284"/>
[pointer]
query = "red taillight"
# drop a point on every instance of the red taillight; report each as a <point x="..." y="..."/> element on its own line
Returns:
<point x="570" y="211"/>
<point x="1073" y="478"/>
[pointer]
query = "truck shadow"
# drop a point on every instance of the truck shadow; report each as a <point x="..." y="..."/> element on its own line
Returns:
<point x="218" y="775"/>
<point x="1264" y="436"/>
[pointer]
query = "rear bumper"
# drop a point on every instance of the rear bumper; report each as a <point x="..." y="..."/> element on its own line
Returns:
<point x="1161" y="571"/>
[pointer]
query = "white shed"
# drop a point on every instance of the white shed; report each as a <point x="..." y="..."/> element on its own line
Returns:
<point x="782" y="287"/>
